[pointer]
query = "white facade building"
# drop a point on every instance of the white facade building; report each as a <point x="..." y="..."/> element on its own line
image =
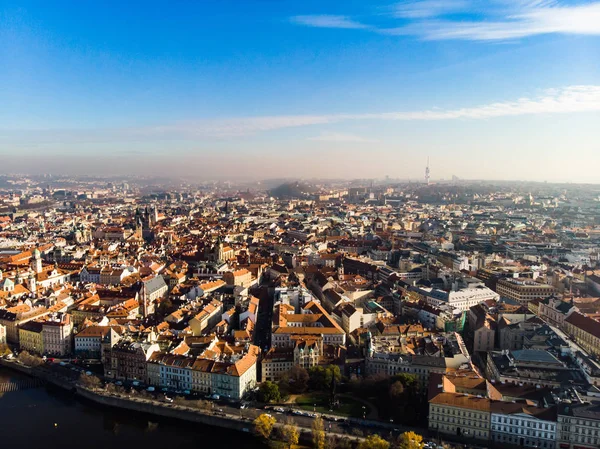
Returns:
<point x="524" y="426"/>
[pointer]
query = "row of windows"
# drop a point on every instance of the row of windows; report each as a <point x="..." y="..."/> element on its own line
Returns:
<point x="581" y="422"/>
<point x="581" y="431"/>
<point x="520" y="431"/>
<point x="524" y="442"/>
<point x="520" y="422"/>
<point x="456" y="412"/>
<point x="481" y="434"/>
<point x="469" y="423"/>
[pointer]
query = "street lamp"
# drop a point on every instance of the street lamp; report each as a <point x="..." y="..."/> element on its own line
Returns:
<point x="364" y="412"/>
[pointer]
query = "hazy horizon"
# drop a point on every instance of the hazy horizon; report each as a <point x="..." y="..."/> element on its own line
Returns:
<point x="498" y="90"/>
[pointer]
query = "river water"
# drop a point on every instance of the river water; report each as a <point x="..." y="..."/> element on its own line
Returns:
<point x="50" y="418"/>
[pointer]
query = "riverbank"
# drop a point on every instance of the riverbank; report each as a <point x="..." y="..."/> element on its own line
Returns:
<point x="151" y="407"/>
<point x="216" y="417"/>
<point x="167" y="410"/>
<point x="180" y="412"/>
<point x="44" y="415"/>
<point x="44" y="376"/>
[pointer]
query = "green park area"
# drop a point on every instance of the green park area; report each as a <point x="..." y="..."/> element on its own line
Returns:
<point x="319" y="402"/>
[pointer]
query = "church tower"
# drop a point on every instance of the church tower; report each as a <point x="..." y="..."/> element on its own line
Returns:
<point x="32" y="284"/>
<point x="144" y="299"/>
<point x="220" y="251"/>
<point x="36" y="262"/>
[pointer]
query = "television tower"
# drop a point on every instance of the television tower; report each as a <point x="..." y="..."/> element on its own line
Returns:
<point x="427" y="172"/>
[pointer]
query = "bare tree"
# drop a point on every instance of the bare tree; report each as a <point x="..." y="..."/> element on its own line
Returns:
<point x="90" y="381"/>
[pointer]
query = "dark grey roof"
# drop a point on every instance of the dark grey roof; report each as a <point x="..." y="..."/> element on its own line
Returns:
<point x="590" y="411"/>
<point x="154" y="284"/>
<point x="534" y="355"/>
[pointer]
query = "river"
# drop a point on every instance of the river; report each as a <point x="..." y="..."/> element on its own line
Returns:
<point x="54" y="419"/>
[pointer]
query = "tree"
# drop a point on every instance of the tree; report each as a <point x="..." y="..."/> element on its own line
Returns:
<point x="357" y="432"/>
<point x="397" y="397"/>
<point x="290" y="433"/>
<point x="295" y="380"/>
<point x="263" y="425"/>
<point x="90" y="381"/>
<point x="318" y="433"/>
<point x="180" y="400"/>
<point x="397" y="390"/>
<point x="321" y="378"/>
<point x="165" y="307"/>
<point x="29" y="360"/>
<point x="269" y="392"/>
<point x="342" y="443"/>
<point x="4" y="350"/>
<point x="373" y="442"/>
<point x="410" y="381"/>
<point x="203" y="405"/>
<point x="410" y="440"/>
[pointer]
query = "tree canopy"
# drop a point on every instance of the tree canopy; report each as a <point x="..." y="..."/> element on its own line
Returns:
<point x="318" y="433"/>
<point x="290" y="433"/>
<point x="263" y="425"/>
<point x="373" y="442"/>
<point x="295" y="380"/>
<point x="410" y="440"/>
<point x="321" y="378"/>
<point x="269" y="392"/>
<point x="397" y="397"/>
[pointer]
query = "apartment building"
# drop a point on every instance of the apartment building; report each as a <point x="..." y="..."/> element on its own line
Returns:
<point x="312" y="321"/>
<point x="523" y="290"/>
<point x="460" y="414"/>
<point x="57" y="334"/>
<point x="578" y="423"/>
<point x="585" y="331"/>
<point x="207" y="318"/>
<point x="519" y="424"/>
<point x="229" y="376"/>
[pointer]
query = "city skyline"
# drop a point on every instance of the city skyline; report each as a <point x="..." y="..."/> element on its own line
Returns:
<point x="488" y="90"/>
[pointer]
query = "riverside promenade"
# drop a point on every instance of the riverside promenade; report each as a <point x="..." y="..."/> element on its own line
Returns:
<point x="215" y="418"/>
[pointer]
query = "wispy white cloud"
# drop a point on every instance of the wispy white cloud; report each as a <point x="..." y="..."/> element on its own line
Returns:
<point x="342" y="137"/>
<point x="416" y="9"/>
<point x="501" y="19"/>
<point x="571" y="99"/>
<point x="328" y="21"/>
<point x="235" y="126"/>
<point x="580" y="19"/>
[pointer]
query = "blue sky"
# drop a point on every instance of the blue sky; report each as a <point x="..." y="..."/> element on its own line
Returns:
<point x="495" y="89"/>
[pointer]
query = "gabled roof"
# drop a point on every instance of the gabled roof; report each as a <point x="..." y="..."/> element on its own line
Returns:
<point x="584" y="323"/>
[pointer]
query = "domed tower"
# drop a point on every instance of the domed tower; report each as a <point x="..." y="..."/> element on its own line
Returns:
<point x="36" y="261"/>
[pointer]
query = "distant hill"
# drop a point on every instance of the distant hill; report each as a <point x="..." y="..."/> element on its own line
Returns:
<point x="292" y="190"/>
